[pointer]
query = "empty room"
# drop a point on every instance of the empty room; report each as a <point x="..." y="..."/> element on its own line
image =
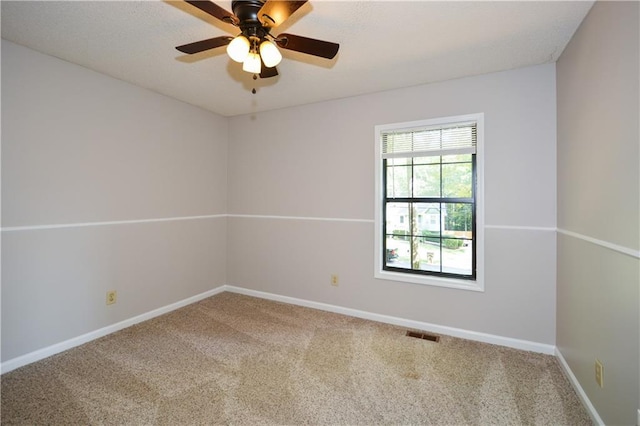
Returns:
<point x="320" y="212"/>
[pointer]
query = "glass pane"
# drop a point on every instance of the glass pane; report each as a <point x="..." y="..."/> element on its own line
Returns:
<point x="456" y="180"/>
<point x="427" y="160"/>
<point x="457" y="220"/>
<point x="456" y="256"/>
<point x="398" y="181"/>
<point x="428" y="220"/>
<point x="426" y="180"/>
<point x="462" y="158"/>
<point x="397" y="215"/>
<point x="397" y="254"/>
<point x="429" y="254"/>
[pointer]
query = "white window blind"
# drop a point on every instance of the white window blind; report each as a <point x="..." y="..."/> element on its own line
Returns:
<point x="452" y="139"/>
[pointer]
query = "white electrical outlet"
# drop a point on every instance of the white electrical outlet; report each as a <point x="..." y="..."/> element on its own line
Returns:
<point x="599" y="373"/>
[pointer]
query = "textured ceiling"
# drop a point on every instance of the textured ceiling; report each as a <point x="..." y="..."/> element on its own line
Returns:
<point x="383" y="45"/>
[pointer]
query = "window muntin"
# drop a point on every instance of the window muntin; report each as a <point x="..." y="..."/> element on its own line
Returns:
<point x="428" y="202"/>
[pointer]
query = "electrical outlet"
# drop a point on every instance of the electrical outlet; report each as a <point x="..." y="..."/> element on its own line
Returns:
<point x="111" y="297"/>
<point x="334" y="280"/>
<point x="599" y="373"/>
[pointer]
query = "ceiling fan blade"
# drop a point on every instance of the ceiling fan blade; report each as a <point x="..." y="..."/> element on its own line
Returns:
<point x="267" y="72"/>
<point x="202" y="45"/>
<point x="215" y="11"/>
<point x="275" y="12"/>
<point x="311" y="46"/>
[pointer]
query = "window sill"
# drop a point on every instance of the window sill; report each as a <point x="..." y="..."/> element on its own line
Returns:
<point x="431" y="281"/>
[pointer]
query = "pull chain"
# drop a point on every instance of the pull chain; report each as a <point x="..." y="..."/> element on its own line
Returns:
<point x="255" y="77"/>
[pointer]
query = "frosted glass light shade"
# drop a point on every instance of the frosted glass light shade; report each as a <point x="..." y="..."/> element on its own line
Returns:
<point x="252" y="63"/>
<point x="238" y="49"/>
<point x="270" y="54"/>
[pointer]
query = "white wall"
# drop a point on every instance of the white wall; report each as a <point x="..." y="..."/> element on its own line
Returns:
<point x="80" y="148"/>
<point x="317" y="161"/>
<point x="599" y="207"/>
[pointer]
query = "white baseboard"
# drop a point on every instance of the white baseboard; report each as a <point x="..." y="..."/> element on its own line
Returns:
<point x="526" y="345"/>
<point x="581" y="393"/>
<point x="20" y="361"/>
<point x="434" y="328"/>
<point x="31" y="357"/>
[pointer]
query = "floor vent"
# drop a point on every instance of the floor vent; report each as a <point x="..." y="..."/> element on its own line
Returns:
<point x="425" y="336"/>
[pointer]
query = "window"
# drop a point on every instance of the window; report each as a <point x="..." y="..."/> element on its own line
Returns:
<point x="429" y="221"/>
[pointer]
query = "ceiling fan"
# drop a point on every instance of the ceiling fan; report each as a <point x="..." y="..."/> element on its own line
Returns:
<point x="255" y="46"/>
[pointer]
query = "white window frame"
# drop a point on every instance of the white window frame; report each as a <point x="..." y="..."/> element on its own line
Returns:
<point x="464" y="284"/>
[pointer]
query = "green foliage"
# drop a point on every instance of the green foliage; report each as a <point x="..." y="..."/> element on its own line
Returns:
<point x="452" y="244"/>
<point x="434" y="237"/>
<point x="459" y="217"/>
<point x="431" y="236"/>
<point x="401" y="234"/>
<point x="456" y="180"/>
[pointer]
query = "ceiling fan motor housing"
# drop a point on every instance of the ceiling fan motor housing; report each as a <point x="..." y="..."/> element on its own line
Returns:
<point x="247" y="13"/>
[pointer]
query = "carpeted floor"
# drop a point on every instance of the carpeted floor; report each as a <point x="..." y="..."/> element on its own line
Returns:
<point x="233" y="359"/>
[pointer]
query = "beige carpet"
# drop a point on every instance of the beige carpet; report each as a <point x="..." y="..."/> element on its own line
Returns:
<point x="233" y="359"/>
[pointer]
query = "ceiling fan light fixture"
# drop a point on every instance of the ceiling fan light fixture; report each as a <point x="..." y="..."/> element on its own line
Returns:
<point x="270" y="54"/>
<point x="238" y="49"/>
<point x="252" y="63"/>
<point x="254" y="47"/>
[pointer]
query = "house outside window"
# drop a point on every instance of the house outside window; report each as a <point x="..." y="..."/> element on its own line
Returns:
<point x="429" y="202"/>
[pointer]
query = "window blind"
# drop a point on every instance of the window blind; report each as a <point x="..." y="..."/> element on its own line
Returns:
<point x="458" y="138"/>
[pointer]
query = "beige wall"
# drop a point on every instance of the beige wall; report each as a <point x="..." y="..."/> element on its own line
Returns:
<point x="317" y="161"/>
<point x="80" y="148"/>
<point x="598" y="207"/>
